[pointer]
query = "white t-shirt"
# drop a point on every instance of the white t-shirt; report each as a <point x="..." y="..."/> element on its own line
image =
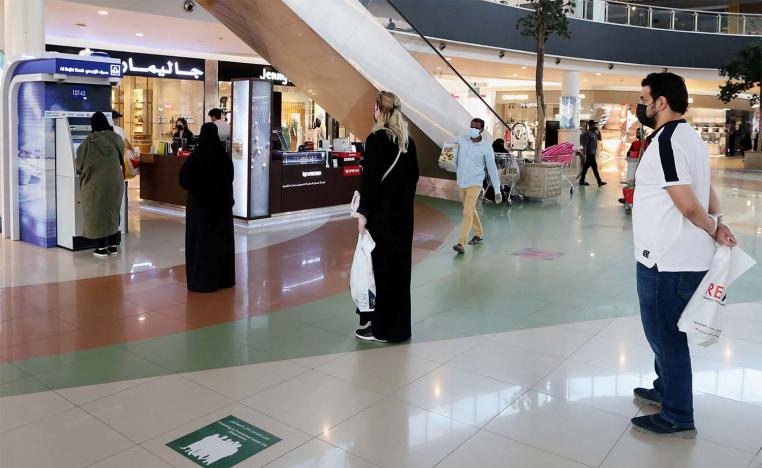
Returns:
<point x="223" y="129"/>
<point x="663" y="236"/>
<point x="119" y="131"/>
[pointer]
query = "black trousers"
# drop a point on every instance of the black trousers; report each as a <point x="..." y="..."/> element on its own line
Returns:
<point x="590" y="163"/>
<point x="107" y="241"/>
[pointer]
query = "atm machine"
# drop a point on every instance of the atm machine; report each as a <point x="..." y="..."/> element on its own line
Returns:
<point x="70" y="133"/>
<point x="45" y="107"/>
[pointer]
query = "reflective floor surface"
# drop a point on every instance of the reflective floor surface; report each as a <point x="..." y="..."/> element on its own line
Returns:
<point x="525" y="351"/>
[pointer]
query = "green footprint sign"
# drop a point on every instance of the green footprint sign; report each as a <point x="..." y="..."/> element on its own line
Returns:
<point x="223" y="443"/>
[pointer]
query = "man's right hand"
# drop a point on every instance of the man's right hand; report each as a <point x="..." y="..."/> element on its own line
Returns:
<point x="724" y="236"/>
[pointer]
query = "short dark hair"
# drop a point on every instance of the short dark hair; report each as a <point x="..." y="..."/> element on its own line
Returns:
<point x="591" y="124"/>
<point x="480" y="122"/>
<point x="671" y="87"/>
<point x="216" y="113"/>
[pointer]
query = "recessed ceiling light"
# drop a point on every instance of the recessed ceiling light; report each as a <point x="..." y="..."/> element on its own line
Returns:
<point x="81" y="25"/>
<point x="598" y="74"/>
<point x="449" y="59"/>
<point x="523" y="68"/>
<point x="515" y="74"/>
<point x="103" y="12"/>
<point x="139" y="34"/>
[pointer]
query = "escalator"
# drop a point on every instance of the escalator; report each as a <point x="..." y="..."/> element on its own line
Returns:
<point x="341" y="54"/>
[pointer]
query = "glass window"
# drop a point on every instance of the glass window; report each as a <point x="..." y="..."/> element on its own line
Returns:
<point x="661" y="19"/>
<point x="685" y="20"/>
<point x="616" y="13"/>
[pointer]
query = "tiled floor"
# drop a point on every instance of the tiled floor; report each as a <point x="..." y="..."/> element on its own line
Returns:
<point x="514" y="361"/>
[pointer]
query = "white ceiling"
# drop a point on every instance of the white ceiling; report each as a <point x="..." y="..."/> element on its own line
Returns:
<point x="165" y="26"/>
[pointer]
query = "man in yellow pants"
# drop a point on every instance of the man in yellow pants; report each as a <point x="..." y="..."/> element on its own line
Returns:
<point x="474" y="156"/>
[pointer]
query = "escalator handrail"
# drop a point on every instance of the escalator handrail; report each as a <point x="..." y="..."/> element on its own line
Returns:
<point x="449" y="65"/>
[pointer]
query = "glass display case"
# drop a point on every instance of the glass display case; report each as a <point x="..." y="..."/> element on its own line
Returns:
<point x="251" y="126"/>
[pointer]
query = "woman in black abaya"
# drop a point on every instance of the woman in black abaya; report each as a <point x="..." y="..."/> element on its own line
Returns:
<point x="386" y="211"/>
<point x="207" y="175"/>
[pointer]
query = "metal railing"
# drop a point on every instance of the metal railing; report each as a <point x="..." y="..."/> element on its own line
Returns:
<point x="675" y="19"/>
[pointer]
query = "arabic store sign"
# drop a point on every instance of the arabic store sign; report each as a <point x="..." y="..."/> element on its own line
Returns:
<point x="156" y="66"/>
<point x="170" y="69"/>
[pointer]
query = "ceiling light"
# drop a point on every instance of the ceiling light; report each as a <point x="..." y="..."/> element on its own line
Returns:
<point x="515" y="74"/>
<point x="598" y="74"/>
<point x="103" y="12"/>
<point x="515" y="97"/>
<point x="523" y="68"/>
<point x="139" y="34"/>
<point x="449" y="59"/>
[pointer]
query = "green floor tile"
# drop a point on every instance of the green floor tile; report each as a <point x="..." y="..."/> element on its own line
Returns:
<point x="10" y="373"/>
<point x="42" y="364"/>
<point x="22" y="387"/>
<point x="111" y="367"/>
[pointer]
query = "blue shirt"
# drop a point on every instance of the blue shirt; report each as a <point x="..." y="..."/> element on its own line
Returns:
<point x="473" y="159"/>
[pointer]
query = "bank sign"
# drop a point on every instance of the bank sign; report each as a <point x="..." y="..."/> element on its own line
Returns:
<point x="88" y="68"/>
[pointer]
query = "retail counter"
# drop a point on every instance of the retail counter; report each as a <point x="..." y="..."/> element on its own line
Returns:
<point x="301" y="181"/>
<point x="159" y="179"/>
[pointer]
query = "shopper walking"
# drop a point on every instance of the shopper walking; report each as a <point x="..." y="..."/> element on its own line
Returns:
<point x="99" y="164"/>
<point x="676" y="221"/>
<point x="475" y="155"/>
<point x="590" y="141"/>
<point x="389" y="179"/>
<point x="207" y="175"/>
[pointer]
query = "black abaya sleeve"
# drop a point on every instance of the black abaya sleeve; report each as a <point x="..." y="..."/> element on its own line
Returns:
<point x="371" y="176"/>
<point x="188" y="174"/>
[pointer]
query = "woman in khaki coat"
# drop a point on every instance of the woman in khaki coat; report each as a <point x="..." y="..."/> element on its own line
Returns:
<point x="99" y="163"/>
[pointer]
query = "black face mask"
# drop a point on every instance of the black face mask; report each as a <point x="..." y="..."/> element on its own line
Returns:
<point x="179" y="127"/>
<point x="643" y="117"/>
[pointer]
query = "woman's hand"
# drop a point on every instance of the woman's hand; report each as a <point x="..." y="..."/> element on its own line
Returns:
<point x="724" y="236"/>
<point x="362" y="221"/>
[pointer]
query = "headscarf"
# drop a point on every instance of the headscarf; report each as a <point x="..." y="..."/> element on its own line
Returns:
<point x="208" y="172"/>
<point x="99" y="122"/>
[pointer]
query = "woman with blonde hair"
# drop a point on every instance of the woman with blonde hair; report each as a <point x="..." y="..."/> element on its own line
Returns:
<point x="389" y="179"/>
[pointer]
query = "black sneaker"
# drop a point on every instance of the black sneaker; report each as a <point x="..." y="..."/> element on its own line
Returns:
<point x="584" y="183"/>
<point x="459" y="248"/>
<point x="113" y="250"/>
<point x="655" y="424"/>
<point x="601" y="184"/>
<point x="647" y="396"/>
<point x="476" y="240"/>
<point x="366" y="334"/>
<point x="101" y="253"/>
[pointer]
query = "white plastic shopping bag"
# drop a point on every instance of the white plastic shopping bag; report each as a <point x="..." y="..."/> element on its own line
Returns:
<point x="701" y="320"/>
<point x="448" y="159"/>
<point x="362" y="283"/>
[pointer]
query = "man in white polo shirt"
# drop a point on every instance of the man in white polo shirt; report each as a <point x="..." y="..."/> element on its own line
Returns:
<point x="676" y="221"/>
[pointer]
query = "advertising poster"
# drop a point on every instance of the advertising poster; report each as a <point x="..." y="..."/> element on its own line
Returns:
<point x="37" y="150"/>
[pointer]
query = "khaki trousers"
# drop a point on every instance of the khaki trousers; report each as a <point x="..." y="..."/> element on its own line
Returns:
<point x="470" y="197"/>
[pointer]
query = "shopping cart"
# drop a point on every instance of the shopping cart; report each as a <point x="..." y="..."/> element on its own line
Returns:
<point x="561" y="154"/>
<point x="509" y="167"/>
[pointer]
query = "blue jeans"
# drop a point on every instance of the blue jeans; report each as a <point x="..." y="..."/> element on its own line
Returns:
<point x="663" y="297"/>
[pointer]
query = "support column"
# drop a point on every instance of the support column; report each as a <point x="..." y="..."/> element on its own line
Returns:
<point x="211" y="87"/>
<point x="23" y="28"/>
<point x="599" y="11"/>
<point x="569" y="131"/>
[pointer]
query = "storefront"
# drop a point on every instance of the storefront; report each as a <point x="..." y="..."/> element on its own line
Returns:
<point x="614" y="111"/>
<point x="280" y="141"/>
<point x="155" y="92"/>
